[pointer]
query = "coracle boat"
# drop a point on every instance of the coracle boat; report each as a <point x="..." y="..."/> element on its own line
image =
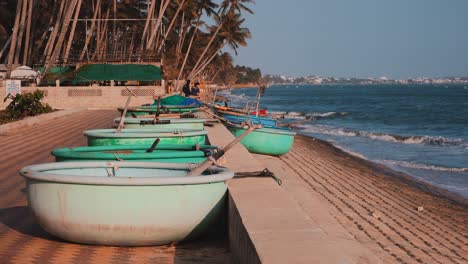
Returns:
<point x="166" y="123"/>
<point x="125" y="203"/>
<point x="110" y="137"/>
<point x="238" y="118"/>
<point x="162" y="153"/>
<point x="270" y="141"/>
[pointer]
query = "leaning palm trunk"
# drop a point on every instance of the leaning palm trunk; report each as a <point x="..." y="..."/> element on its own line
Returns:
<point x="63" y="33"/>
<point x="150" y="43"/>
<point x="72" y="32"/>
<point x="28" y="33"/>
<point x="186" y="56"/>
<point x="19" y="41"/>
<point x="51" y="43"/>
<point x="5" y="46"/>
<point x="207" y="62"/>
<point x="88" y="37"/>
<point x="207" y="47"/>
<point x="11" y="54"/>
<point x="148" y="19"/>
<point x="171" y="25"/>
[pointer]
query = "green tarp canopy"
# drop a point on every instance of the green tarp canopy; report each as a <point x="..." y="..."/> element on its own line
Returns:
<point x="118" y="72"/>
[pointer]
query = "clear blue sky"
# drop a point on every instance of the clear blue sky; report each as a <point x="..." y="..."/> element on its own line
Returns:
<point x="362" y="38"/>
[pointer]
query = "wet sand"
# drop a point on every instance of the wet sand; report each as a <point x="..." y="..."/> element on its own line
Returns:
<point x="377" y="206"/>
<point x="21" y="238"/>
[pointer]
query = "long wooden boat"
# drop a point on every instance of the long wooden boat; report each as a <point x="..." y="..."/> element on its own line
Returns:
<point x="110" y="137"/>
<point x="270" y="141"/>
<point x="125" y="203"/>
<point x="166" y="123"/>
<point x="151" y="110"/>
<point x="238" y="118"/>
<point x="162" y="153"/>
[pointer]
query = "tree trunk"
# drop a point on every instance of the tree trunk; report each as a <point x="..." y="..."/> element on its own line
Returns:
<point x="49" y="24"/>
<point x="207" y="62"/>
<point x="19" y="41"/>
<point x="170" y="26"/>
<point x="5" y="47"/>
<point x="14" y="34"/>
<point x="208" y="46"/>
<point x="72" y="32"/>
<point x="28" y="33"/>
<point x="186" y="56"/>
<point x="63" y="32"/>
<point x="179" y="42"/>
<point x="148" y="19"/>
<point x="88" y="37"/>
<point x="50" y="44"/>
<point x="150" y="43"/>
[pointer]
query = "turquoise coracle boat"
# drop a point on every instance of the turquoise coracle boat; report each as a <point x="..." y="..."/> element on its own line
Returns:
<point x="109" y="137"/>
<point x="125" y="203"/>
<point x="162" y="153"/>
<point x="270" y="141"/>
<point x="164" y="123"/>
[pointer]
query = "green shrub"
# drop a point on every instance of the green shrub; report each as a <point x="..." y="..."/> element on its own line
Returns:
<point x="28" y="104"/>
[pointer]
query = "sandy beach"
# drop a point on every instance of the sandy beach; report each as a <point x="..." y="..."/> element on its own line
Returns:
<point x="387" y="212"/>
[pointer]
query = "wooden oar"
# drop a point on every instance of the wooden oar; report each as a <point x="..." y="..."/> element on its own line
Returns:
<point x="155" y="143"/>
<point x="158" y="108"/>
<point x="213" y="158"/>
<point x="124" y="112"/>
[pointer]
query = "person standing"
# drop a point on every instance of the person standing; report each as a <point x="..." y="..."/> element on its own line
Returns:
<point x="195" y="89"/>
<point x="186" y="89"/>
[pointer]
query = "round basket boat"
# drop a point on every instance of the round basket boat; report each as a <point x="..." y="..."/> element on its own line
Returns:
<point x="162" y="153"/>
<point x="164" y="123"/>
<point x="125" y="203"/>
<point x="109" y="137"/>
<point x="269" y="141"/>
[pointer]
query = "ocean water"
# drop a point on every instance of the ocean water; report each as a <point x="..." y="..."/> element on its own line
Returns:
<point x="421" y="130"/>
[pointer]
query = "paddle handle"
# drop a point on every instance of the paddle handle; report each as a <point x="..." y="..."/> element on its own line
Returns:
<point x="155" y="143"/>
<point x="210" y="160"/>
<point x="124" y="113"/>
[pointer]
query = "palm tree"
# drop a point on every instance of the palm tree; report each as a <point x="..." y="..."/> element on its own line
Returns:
<point x="231" y="34"/>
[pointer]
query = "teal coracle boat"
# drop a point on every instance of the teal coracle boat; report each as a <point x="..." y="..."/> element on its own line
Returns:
<point x="166" y="123"/>
<point x="125" y="203"/>
<point x="162" y="153"/>
<point x="270" y="141"/>
<point x="109" y="137"/>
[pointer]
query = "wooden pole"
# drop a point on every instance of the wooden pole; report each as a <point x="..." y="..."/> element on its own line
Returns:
<point x="211" y="159"/>
<point x="124" y="112"/>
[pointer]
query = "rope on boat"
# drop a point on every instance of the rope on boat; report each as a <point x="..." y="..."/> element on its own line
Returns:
<point x="258" y="174"/>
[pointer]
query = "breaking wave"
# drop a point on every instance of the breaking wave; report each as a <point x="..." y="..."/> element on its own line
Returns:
<point x="413" y="165"/>
<point x="302" y="115"/>
<point x="426" y="140"/>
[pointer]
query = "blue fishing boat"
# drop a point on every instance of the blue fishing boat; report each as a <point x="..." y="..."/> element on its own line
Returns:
<point x="238" y="118"/>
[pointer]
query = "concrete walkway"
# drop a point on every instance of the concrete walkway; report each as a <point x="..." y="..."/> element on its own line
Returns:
<point x="267" y="224"/>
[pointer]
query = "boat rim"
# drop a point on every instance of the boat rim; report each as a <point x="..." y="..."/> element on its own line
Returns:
<point x="144" y="133"/>
<point x="131" y="120"/>
<point x="36" y="172"/>
<point x="269" y="130"/>
<point x="105" y="152"/>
